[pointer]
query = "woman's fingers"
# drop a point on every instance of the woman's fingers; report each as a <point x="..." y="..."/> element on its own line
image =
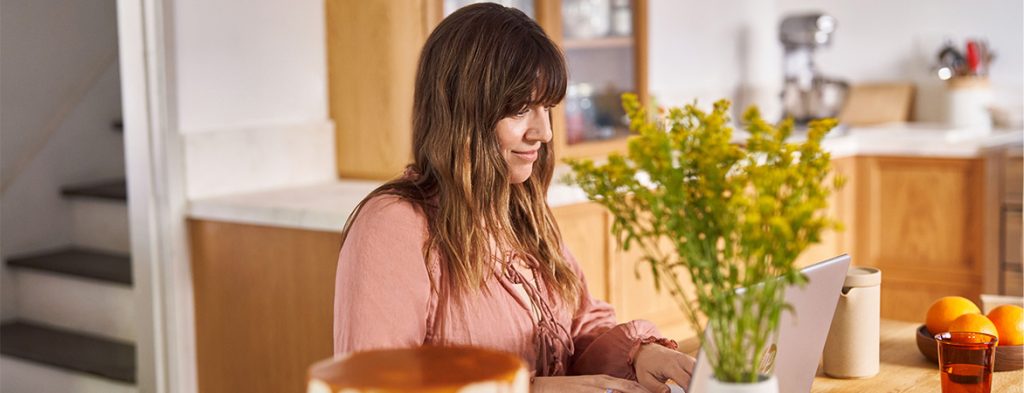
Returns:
<point x="679" y="375"/>
<point x="625" y="386"/>
<point x="687" y="362"/>
<point x="651" y="383"/>
<point x="684" y="371"/>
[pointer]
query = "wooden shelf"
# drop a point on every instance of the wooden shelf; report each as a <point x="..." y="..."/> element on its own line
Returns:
<point x="598" y="43"/>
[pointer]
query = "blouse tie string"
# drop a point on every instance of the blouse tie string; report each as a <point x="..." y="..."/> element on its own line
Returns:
<point x="551" y="338"/>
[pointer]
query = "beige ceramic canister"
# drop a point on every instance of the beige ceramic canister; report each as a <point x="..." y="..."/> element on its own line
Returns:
<point x="969" y="98"/>
<point x="851" y="350"/>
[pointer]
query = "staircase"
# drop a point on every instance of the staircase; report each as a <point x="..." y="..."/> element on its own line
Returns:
<point x="75" y="330"/>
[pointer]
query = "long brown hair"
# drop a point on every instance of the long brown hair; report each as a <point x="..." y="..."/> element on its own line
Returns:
<point x="482" y="63"/>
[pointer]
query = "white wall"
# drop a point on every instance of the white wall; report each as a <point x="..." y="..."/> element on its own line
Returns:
<point x="699" y="49"/>
<point x="54" y="52"/>
<point x="251" y="84"/>
<point x="249" y="62"/>
<point x="878" y="40"/>
<point x="694" y="49"/>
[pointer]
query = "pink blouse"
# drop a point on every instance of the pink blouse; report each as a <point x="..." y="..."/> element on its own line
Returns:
<point x="383" y="299"/>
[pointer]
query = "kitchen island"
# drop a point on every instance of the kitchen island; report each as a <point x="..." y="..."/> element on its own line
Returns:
<point x="265" y="260"/>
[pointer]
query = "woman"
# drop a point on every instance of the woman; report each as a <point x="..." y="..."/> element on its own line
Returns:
<point x="463" y="249"/>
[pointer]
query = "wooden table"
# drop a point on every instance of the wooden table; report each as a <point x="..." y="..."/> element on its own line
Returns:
<point x="903" y="368"/>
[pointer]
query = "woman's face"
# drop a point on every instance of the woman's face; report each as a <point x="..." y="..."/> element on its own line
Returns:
<point x="520" y="137"/>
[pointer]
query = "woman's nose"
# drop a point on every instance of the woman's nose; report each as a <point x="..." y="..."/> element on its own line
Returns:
<point x="540" y="126"/>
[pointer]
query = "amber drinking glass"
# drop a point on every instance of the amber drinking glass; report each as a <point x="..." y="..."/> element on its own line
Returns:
<point x="965" y="361"/>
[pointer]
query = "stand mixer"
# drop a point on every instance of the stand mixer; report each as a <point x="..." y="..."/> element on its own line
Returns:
<point x="807" y="94"/>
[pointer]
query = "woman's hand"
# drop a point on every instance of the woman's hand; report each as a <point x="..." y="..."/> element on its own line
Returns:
<point x="655" y="364"/>
<point x="586" y="384"/>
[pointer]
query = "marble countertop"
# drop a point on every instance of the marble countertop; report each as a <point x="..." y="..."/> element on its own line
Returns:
<point x="318" y="207"/>
<point x="917" y="140"/>
<point x="326" y="207"/>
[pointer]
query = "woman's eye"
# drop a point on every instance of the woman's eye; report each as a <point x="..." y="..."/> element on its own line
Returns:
<point x="523" y="112"/>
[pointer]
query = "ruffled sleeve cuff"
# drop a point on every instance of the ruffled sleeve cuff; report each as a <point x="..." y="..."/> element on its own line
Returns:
<point x="639" y="343"/>
<point x="614" y="351"/>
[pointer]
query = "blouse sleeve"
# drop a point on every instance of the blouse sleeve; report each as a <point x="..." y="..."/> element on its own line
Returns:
<point x="382" y="290"/>
<point x="603" y="346"/>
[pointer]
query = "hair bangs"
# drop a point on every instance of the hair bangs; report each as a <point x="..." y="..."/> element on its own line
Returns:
<point x="539" y="77"/>
<point x="548" y="87"/>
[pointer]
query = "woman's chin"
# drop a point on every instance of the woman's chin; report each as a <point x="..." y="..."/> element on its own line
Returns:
<point x="519" y="176"/>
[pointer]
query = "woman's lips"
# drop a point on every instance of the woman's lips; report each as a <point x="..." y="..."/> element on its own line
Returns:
<point x="529" y="155"/>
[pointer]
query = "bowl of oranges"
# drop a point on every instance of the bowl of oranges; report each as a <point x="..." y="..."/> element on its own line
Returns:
<point x="958" y="314"/>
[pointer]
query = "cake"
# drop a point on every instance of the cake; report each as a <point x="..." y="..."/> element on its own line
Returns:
<point x="428" y="369"/>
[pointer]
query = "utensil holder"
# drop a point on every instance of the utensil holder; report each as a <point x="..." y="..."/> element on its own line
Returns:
<point x="851" y="350"/>
<point x="969" y="98"/>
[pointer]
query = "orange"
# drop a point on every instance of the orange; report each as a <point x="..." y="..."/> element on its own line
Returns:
<point x="974" y="323"/>
<point x="1009" y="321"/>
<point x="945" y="310"/>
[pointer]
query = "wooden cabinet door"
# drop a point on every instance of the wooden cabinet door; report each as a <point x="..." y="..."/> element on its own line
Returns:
<point x="264" y="301"/>
<point x="841" y="207"/>
<point x="372" y="53"/>
<point x="919" y="221"/>
<point x="585" y="229"/>
<point x="635" y="296"/>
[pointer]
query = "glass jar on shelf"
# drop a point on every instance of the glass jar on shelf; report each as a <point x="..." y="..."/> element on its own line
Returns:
<point x="523" y="5"/>
<point x="586" y="18"/>
<point x="622" y="18"/>
<point x="580" y="112"/>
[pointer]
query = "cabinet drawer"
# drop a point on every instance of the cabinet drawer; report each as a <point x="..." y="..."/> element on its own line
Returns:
<point x="1013" y="283"/>
<point x="1012" y="238"/>
<point x="1013" y="180"/>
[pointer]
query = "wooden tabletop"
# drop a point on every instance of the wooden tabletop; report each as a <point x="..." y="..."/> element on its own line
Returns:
<point x="903" y="368"/>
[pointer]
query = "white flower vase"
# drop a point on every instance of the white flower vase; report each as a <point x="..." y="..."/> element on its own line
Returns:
<point x="767" y="385"/>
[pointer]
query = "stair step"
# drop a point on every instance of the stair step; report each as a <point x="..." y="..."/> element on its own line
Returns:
<point x="69" y="350"/>
<point x="26" y="376"/>
<point x="109" y="189"/>
<point x="80" y="263"/>
<point x="100" y="224"/>
<point x="99" y="308"/>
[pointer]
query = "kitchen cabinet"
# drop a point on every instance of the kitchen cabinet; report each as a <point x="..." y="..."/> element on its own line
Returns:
<point x="615" y="275"/>
<point x="841" y="206"/>
<point x="1004" y="175"/>
<point x="635" y="296"/>
<point x="373" y="49"/>
<point x="264" y="300"/>
<point x="919" y="220"/>
<point x="585" y="231"/>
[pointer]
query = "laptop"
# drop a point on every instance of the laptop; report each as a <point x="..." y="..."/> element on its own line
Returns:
<point x="801" y="336"/>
